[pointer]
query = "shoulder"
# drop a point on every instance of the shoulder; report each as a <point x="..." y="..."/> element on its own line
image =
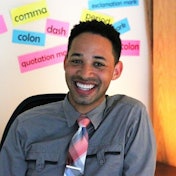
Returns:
<point x="43" y="112"/>
<point x="38" y="123"/>
<point x="126" y="107"/>
<point x="124" y="100"/>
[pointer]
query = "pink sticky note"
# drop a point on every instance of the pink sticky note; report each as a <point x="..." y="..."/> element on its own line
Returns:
<point x="56" y="27"/>
<point x="130" y="48"/>
<point x="3" y="27"/>
<point x="42" y="58"/>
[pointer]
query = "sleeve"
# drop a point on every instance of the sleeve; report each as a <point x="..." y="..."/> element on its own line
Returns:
<point x="140" y="147"/>
<point x="12" y="160"/>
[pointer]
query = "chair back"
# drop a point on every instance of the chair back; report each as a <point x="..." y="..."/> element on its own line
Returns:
<point x="28" y="103"/>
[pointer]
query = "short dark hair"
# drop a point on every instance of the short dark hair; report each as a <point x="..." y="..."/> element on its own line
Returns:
<point x="98" y="27"/>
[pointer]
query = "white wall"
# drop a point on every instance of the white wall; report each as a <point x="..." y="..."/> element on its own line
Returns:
<point x="15" y="86"/>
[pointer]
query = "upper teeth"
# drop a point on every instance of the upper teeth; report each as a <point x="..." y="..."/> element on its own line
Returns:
<point x="85" y="86"/>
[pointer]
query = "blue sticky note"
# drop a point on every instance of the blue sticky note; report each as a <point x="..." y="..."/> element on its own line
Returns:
<point x="105" y="4"/>
<point x="122" y="26"/>
<point x="28" y="37"/>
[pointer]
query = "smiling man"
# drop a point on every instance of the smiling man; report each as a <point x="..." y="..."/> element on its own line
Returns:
<point x="89" y="67"/>
<point x="116" y="137"/>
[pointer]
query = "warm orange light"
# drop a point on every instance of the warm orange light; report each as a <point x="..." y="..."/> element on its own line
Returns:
<point x="164" y="79"/>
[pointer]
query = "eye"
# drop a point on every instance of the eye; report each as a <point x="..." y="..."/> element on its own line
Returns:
<point x="76" y="61"/>
<point x="99" y="64"/>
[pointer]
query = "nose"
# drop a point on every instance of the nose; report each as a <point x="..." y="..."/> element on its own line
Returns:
<point x="86" y="71"/>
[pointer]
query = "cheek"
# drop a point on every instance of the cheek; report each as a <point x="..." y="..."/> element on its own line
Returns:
<point x="106" y="77"/>
<point x="68" y="70"/>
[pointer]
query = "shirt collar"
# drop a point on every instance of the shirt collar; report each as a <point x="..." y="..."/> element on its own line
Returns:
<point x="96" y="115"/>
<point x="71" y="115"/>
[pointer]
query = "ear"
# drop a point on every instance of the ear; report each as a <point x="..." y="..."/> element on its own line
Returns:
<point x="65" y="61"/>
<point x="117" y="70"/>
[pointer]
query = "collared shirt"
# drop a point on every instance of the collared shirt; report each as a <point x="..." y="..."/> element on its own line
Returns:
<point x="95" y="116"/>
<point x="122" y="144"/>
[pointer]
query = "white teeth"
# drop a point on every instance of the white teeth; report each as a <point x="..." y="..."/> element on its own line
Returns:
<point x="85" y="86"/>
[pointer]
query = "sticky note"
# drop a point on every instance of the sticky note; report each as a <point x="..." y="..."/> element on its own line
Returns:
<point x="105" y="4"/>
<point x="39" y="59"/>
<point x="88" y="15"/>
<point x="30" y="12"/>
<point x="3" y="27"/>
<point x="122" y="26"/>
<point x="56" y="27"/>
<point x="130" y="48"/>
<point x="28" y="37"/>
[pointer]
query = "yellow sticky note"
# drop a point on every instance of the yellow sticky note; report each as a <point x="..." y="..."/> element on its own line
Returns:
<point x="29" y="13"/>
<point x="88" y="15"/>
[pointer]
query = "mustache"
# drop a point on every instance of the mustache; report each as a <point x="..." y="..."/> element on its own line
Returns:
<point x="82" y="79"/>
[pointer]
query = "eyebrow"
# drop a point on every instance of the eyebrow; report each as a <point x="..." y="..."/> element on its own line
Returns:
<point x="94" y="57"/>
<point x="76" y="54"/>
<point x="99" y="57"/>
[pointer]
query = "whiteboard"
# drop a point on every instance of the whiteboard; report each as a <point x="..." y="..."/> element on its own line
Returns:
<point x="15" y="86"/>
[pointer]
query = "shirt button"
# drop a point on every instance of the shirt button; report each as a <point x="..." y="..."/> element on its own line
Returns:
<point x="102" y="162"/>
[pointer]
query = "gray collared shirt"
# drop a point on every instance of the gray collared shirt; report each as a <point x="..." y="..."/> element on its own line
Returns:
<point x="96" y="115"/>
<point x="122" y="144"/>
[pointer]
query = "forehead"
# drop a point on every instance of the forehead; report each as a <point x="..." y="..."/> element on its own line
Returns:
<point x="92" y="41"/>
<point x="93" y="46"/>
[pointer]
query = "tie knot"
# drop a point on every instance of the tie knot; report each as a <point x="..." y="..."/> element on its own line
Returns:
<point x="83" y="121"/>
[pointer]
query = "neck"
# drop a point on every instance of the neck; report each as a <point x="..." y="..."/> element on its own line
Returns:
<point x="85" y="108"/>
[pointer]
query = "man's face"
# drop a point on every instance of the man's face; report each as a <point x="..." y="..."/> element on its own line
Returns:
<point x="89" y="69"/>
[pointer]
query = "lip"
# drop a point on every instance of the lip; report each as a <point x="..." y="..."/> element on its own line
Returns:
<point x="84" y="88"/>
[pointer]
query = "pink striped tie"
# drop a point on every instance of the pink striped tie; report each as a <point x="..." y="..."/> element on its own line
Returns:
<point x="78" y="149"/>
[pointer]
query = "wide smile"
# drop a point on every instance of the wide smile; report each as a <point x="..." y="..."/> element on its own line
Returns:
<point x="84" y="87"/>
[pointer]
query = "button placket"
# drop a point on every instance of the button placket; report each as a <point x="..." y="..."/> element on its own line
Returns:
<point x="40" y="164"/>
<point x="101" y="157"/>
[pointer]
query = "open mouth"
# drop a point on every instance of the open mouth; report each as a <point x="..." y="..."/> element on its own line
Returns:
<point x="85" y="87"/>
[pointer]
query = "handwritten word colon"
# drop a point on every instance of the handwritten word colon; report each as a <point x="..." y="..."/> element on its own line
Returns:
<point x="28" y="37"/>
<point x="130" y="47"/>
